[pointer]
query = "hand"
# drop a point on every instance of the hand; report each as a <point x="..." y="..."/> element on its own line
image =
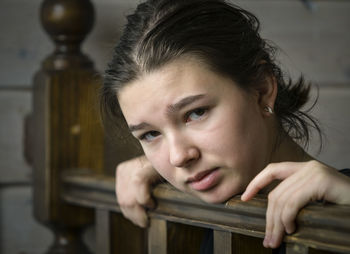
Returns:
<point x="301" y="183"/>
<point x="134" y="180"/>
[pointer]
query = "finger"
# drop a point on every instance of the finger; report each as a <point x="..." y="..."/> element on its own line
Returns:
<point x="144" y="197"/>
<point x="277" y="228"/>
<point x="274" y="226"/>
<point x="301" y="195"/>
<point x="269" y="224"/>
<point x="137" y="215"/>
<point x="288" y="216"/>
<point x="116" y="182"/>
<point x="277" y="235"/>
<point x="277" y="200"/>
<point x="272" y="172"/>
<point x="287" y="199"/>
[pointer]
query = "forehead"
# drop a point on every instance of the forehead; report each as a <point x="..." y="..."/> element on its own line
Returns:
<point x="165" y="86"/>
<point x="182" y="72"/>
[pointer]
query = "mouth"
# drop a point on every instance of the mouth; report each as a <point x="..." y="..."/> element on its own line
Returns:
<point x="205" y="180"/>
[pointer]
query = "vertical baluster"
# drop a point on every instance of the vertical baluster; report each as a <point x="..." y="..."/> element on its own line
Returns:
<point x="294" y="248"/>
<point x="103" y="232"/>
<point x="222" y="242"/>
<point x="157" y="237"/>
<point x="67" y="133"/>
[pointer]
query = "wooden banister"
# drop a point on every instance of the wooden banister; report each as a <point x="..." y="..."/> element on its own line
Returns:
<point x="65" y="122"/>
<point x="67" y="134"/>
<point x="320" y="226"/>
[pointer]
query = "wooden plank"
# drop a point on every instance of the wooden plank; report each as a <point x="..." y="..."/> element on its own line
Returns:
<point x="103" y="231"/>
<point x="295" y="248"/>
<point x="222" y="242"/>
<point x="320" y="226"/>
<point x="157" y="237"/>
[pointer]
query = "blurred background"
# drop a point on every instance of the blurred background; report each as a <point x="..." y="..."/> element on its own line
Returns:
<point x="313" y="37"/>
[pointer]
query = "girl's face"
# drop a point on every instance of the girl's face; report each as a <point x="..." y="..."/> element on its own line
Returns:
<point x="201" y="132"/>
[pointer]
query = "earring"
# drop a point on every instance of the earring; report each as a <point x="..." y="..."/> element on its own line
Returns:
<point x="268" y="109"/>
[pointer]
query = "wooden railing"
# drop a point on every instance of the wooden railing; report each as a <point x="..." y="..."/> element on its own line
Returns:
<point x="235" y="224"/>
<point x="67" y="134"/>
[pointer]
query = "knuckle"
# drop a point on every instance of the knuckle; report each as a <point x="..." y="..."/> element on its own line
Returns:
<point x="314" y="166"/>
<point x="292" y="202"/>
<point x="121" y="166"/>
<point x="138" y="180"/>
<point x="271" y="170"/>
<point x="312" y="163"/>
<point x="271" y="165"/>
<point x="143" y="197"/>
<point x="126" y="165"/>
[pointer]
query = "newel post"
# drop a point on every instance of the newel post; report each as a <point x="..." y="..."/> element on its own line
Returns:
<point x="66" y="129"/>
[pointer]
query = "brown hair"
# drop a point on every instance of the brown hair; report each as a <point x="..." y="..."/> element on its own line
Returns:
<point x="223" y="35"/>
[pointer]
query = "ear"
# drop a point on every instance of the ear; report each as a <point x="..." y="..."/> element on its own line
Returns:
<point x="267" y="93"/>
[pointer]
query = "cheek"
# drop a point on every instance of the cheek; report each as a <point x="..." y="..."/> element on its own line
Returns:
<point x="235" y="139"/>
<point x="159" y="160"/>
<point x="224" y="135"/>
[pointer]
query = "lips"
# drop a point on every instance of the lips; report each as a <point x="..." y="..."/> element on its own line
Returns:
<point x="204" y="180"/>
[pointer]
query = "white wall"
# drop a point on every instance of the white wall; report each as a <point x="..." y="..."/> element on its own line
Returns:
<point x="313" y="42"/>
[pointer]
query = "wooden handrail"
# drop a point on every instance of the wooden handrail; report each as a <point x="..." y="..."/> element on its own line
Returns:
<point x="320" y="226"/>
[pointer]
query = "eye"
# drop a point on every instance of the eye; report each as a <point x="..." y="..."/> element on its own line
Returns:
<point x="149" y="136"/>
<point x="196" y="114"/>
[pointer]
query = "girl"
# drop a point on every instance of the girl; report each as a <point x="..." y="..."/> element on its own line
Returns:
<point x="199" y="88"/>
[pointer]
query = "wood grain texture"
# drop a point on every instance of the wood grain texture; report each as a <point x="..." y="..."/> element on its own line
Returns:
<point x="222" y="242"/>
<point x="157" y="237"/>
<point x="320" y="226"/>
<point x="67" y="133"/>
<point x="294" y="248"/>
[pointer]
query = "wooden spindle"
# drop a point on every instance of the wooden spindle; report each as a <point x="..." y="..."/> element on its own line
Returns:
<point x="103" y="231"/>
<point x="66" y="129"/>
<point x="157" y="237"/>
<point x="294" y="248"/>
<point x="222" y="242"/>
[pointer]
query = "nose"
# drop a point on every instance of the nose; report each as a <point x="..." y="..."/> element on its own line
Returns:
<point x="182" y="152"/>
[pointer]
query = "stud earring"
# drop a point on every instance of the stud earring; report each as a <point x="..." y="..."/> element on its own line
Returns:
<point x="268" y="109"/>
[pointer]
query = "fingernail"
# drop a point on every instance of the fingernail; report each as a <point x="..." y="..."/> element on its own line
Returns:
<point x="290" y="230"/>
<point x="272" y="242"/>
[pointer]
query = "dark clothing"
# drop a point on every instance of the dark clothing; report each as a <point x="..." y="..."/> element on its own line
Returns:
<point x="345" y="171"/>
<point x="207" y="246"/>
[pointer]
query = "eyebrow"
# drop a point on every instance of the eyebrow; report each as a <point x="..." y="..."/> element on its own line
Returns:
<point x="170" y="109"/>
<point x="137" y="127"/>
<point x="183" y="103"/>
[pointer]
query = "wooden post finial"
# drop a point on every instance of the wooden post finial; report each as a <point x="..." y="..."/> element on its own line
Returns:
<point x="67" y="22"/>
<point x="67" y="133"/>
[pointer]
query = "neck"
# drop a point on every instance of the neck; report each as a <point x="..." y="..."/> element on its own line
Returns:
<point x="288" y="150"/>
